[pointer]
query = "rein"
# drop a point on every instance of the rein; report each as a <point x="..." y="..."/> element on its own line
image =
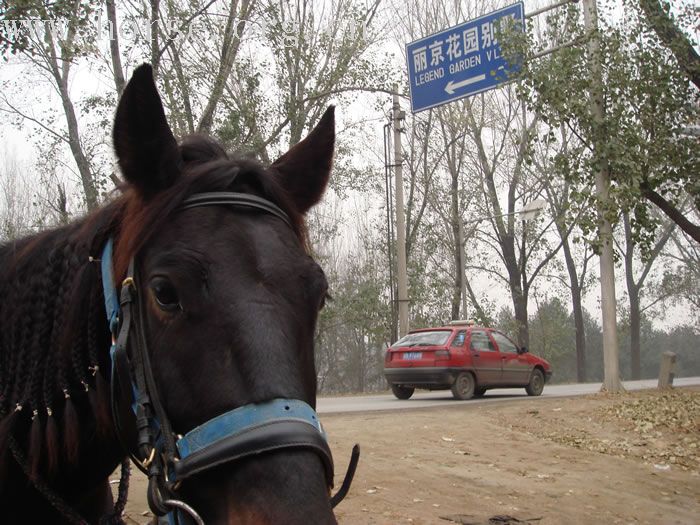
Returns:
<point x="168" y="459"/>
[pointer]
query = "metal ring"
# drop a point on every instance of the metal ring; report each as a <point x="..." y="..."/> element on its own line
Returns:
<point x="146" y="462"/>
<point x="184" y="506"/>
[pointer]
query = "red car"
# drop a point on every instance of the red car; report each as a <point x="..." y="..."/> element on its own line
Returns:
<point x="465" y="358"/>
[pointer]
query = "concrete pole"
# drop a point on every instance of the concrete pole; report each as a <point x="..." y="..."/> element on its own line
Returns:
<point x="611" y="357"/>
<point x="462" y="270"/>
<point x="397" y="117"/>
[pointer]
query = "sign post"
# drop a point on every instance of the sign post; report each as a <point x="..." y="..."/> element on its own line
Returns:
<point x="461" y="61"/>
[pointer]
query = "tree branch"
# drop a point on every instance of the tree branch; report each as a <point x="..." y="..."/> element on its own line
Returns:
<point x="673" y="38"/>
<point x="672" y="212"/>
<point x="32" y="119"/>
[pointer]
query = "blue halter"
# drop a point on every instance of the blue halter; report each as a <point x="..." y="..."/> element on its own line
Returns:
<point x="242" y="432"/>
<point x="233" y="422"/>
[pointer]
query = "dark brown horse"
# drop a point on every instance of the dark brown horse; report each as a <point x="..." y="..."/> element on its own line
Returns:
<point x="219" y="301"/>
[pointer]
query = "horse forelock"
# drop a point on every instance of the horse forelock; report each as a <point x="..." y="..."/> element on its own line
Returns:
<point x="207" y="168"/>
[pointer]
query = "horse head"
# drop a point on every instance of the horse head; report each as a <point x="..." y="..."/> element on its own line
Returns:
<point x="225" y="299"/>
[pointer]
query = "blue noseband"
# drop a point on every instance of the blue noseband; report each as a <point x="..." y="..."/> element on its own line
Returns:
<point x="246" y="419"/>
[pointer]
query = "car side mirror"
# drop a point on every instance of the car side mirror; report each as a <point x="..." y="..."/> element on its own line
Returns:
<point x="523" y="350"/>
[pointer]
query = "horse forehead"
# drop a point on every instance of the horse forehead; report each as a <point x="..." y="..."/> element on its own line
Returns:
<point x="234" y="249"/>
<point x="222" y="230"/>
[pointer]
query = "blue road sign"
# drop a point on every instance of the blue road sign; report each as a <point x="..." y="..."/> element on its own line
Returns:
<point x="460" y="61"/>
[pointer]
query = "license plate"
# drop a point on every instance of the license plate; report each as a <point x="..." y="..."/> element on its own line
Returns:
<point x="412" y="356"/>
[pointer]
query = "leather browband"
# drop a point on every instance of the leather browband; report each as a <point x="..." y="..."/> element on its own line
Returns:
<point x="236" y="199"/>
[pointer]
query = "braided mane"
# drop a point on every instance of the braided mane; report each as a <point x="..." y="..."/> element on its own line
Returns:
<point x="54" y="336"/>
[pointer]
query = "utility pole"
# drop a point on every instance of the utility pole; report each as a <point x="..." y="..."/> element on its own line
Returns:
<point x="611" y="354"/>
<point x="397" y="117"/>
<point x="390" y="230"/>
<point x="462" y="269"/>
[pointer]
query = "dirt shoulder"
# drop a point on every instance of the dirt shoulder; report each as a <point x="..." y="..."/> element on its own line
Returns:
<point x="597" y="459"/>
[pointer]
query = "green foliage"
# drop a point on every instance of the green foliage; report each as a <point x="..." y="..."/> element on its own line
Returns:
<point x="553" y="336"/>
<point x="682" y="340"/>
<point x="24" y="25"/>
<point x="648" y="100"/>
<point x="353" y="328"/>
<point x="506" y="323"/>
<point x="552" y="331"/>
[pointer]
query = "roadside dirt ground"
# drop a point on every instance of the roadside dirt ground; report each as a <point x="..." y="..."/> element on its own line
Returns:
<point x="633" y="458"/>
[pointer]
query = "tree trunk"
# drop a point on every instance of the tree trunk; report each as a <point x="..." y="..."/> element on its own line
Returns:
<point x="456" y="301"/>
<point x="634" y="288"/>
<point x="86" y="175"/>
<point x="481" y="316"/>
<point x="229" y="51"/>
<point x="117" y="70"/>
<point x="635" y="334"/>
<point x="363" y="367"/>
<point x="580" y="336"/>
<point x="505" y="232"/>
<point x="520" y="307"/>
<point x="611" y="357"/>
<point x="633" y="294"/>
<point x="60" y="74"/>
<point x="577" y="306"/>
<point x="506" y="240"/>
<point x="572" y="269"/>
<point x="517" y="293"/>
<point x="456" y="247"/>
<point x="673" y="38"/>
<point x="184" y="89"/>
<point x="672" y="213"/>
<point x="153" y="33"/>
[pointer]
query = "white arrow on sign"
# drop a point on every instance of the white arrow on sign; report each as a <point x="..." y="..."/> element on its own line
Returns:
<point x="452" y="86"/>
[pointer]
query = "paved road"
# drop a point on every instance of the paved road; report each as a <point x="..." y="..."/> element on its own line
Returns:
<point x="422" y="399"/>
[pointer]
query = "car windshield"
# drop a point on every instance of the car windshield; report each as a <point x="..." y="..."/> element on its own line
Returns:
<point x="436" y="338"/>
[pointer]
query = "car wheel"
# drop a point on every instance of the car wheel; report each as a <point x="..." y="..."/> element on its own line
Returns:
<point x="463" y="387"/>
<point x="479" y="392"/>
<point x="536" y="384"/>
<point x="402" y="392"/>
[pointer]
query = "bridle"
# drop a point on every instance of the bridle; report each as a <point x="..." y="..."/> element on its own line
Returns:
<point x="166" y="458"/>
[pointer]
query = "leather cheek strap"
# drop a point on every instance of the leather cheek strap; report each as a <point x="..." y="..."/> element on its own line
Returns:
<point x="267" y="437"/>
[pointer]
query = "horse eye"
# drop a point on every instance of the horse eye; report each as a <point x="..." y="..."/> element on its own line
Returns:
<point x="165" y="294"/>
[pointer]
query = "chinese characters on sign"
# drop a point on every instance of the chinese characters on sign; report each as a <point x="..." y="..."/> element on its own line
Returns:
<point x="462" y="60"/>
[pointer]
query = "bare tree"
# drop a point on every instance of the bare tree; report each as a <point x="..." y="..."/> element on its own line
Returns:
<point x="636" y="274"/>
<point x="52" y="55"/>
<point x="29" y="200"/>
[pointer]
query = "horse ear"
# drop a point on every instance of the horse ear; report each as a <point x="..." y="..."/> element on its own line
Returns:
<point x="146" y="149"/>
<point x="305" y="169"/>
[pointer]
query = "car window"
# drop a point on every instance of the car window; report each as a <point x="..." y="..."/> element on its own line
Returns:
<point x="431" y="338"/>
<point x="459" y="338"/>
<point x="480" y="341"/>
<point x="504" y="344"/>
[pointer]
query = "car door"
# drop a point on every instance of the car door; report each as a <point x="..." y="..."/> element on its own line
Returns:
<point x="515" y="367"/>
<point x="458" y="355"/>
<point x="485" y="358"/>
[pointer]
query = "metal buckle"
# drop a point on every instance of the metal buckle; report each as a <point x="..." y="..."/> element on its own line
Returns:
<point x="147" y="462"/>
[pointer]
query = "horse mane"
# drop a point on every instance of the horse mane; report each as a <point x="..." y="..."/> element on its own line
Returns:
<point x="54" y="336"/>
